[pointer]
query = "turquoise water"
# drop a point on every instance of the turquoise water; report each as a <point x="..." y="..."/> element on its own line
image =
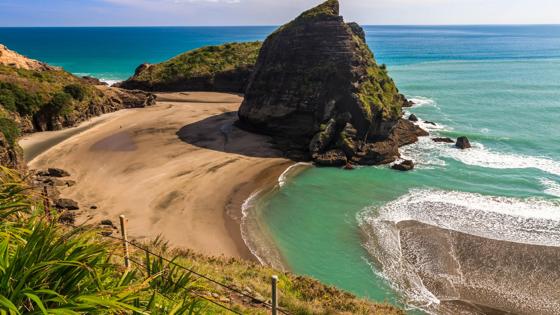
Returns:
<point x="498" y="85"/>
<point x="112" y="53"/>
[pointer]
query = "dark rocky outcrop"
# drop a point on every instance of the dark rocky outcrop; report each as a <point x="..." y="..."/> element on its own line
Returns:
<point x="331" y="158"/>
<point x="53" y="172"/>
<point x="463" y="143"/>
<point x="225" y="68"/>
<point x="404" y="166"/>
<point x="93" y="81"/>
<point x="316" y="87"/>
<point x="408" y="103"/>
<point x="66" y="204"/>
<point x="443" y="140"/>
<point x="413" y="118"/>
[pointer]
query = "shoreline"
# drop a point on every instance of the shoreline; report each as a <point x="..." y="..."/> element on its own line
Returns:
<point x="35" y="144"/>
<point x="181" y="158"/>
<point x="255" y="233"/>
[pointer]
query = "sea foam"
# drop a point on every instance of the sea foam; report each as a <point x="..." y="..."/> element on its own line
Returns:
<point x="530" y="221"/>
<point x="428" y="154"/>
<point x="551" y="187"/>
<point x="422" y="101"/>
<point x="423" y="240"/>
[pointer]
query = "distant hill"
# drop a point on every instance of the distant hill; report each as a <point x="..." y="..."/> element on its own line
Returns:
<point x="224" y="68"/>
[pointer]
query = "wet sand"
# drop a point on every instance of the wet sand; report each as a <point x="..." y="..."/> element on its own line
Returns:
<point x="179" y="169"/>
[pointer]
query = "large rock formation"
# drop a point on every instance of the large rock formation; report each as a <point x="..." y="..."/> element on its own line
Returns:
<point x="316" y="87"/>
<point x="225" y="68"/>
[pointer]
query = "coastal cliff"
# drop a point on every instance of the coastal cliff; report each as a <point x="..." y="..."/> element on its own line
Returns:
<point x="317" y="89"/>
<point x="35" y="96"/>
<point x="224" y="68"/>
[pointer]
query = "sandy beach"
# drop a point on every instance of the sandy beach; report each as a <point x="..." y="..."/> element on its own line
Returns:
<point x="179" y="169"/>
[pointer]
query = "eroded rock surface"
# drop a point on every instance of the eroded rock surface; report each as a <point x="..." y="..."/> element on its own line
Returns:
<point x="316" y="87"/>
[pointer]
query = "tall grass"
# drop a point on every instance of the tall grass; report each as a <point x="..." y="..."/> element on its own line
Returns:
<point x="49" y="269"/>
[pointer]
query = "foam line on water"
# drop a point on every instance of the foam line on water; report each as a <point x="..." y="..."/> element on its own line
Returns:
<point x="529" y="221"/>
<point x="551" y="187"/>
<point x="420" y="101"/>
<point x="285" y="176"/>
<point x="428" y="153"/>
<point x="109" y="82"/>
<point x="526" y="221"/>
<point x="248" y="204"/>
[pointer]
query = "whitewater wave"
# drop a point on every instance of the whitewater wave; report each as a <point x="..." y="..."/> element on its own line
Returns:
<point x="292" y="171"/>
<point x="439" y="248"/>
<point x="420" y="101"/>
<point x="530" y="221"/>
<point x="428" y="154"/>
<point x="249" y="204"/>
<point x="109" y="82"/>
<point x="551" y="187"/>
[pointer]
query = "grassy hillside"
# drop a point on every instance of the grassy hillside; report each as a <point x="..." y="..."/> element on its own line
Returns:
<point x="48" y="268"/>
<point x="216" y="68"/>
<point x="203" y="61"/>
<point x="28" y="93"/>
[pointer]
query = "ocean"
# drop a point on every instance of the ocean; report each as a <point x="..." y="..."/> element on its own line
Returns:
<point x="474" y="229"/>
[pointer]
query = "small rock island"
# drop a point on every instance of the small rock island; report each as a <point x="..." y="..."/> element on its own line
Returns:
<point x="317" y="89"/>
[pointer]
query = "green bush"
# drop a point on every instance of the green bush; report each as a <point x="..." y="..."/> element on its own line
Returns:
<point x="8" y="100"/>
<point x="16" y="99"/>
<point x="77" y="91"/>
<point x="60" y="103"/>
<point x="49" y="269"/>
<point x="10" y="130"/>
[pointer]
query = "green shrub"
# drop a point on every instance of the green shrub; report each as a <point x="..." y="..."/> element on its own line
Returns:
<point x="77" y="91"/>
<point x="10" y="130"/>
<point x="18" y="100"/>
<point x="60" y="103"/>
<point x="49" y="269"/>
<point x="8" y="100"/>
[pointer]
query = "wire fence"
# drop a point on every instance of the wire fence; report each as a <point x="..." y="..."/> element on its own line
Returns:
<point x="192" y="292"/>
<point x="273" y="306"/>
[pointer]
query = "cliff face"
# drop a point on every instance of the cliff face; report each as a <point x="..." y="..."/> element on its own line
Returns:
<point x="37" y="97"/>
<point x="224" y="68"/>
<point x="316" y="87"/>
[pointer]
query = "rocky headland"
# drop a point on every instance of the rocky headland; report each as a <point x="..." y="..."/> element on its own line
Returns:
<point x="224" y="68"/>
<point x="35" y="96"/>
<point x="319" y="92"/>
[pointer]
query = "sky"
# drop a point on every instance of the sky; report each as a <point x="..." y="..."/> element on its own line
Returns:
<point x="271" y="12"/>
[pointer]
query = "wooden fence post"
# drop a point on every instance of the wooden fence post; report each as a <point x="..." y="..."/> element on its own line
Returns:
<point x="125" y="241"/>
<point x="274" y="295"/>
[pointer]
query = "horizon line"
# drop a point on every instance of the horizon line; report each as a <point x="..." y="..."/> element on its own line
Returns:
<point x="270" y="25"/>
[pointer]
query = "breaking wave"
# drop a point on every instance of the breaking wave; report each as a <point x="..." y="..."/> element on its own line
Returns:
<point x="441" y="249"/>
<point x="428" y="154"/>
<point x="292" y="171"/>
<point x="551" y="187"/>
<point x="422" y="101"/>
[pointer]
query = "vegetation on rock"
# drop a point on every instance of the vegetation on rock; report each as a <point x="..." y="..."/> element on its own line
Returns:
<point x="316" y="69"/>
<point x="216" y="68"/>
<point x="10" y="130"/>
